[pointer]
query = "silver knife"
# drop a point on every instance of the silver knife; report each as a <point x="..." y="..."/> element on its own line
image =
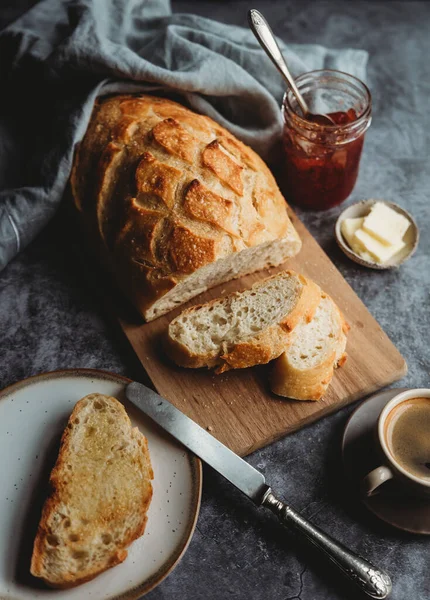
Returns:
<point x="372" y="581"/>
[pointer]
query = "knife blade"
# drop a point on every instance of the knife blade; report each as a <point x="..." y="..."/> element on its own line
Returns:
<point x="241" y="474"/>
<point x="372" y="581"/>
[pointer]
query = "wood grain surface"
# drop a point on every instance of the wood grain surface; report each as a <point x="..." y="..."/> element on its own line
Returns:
<point x="238" y="407"/>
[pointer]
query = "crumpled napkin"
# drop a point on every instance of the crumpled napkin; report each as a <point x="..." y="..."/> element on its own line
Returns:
<point x="59" y="56"/>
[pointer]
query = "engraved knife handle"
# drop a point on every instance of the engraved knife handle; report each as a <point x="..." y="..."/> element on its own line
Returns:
<point x="372" y="581"/>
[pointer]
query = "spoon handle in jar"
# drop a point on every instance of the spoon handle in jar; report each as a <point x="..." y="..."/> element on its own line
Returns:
<point x="261" y="29"/>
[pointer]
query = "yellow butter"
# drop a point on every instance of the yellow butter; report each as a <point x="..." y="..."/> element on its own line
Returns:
<point x="386" y="225"/>
<point x="349" y="227"/>
<point x="381" y="253"/>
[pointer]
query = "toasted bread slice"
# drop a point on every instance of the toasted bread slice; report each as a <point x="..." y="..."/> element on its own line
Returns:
<point x="101" y="491"/>
<point x="245" y="328"/>
<point x="305" y="369"/>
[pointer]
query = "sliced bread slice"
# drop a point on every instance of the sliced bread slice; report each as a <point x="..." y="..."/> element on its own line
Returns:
<point x="101" y="491"/>
<point x="305" y="369"/>
<point x="244" y="328"/>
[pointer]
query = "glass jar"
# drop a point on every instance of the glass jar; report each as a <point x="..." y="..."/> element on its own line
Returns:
<point x="321" y="161"/>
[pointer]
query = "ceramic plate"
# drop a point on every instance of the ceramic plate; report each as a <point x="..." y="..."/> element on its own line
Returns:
<point x="361" y="209"/>
<point x="33" y="414"/>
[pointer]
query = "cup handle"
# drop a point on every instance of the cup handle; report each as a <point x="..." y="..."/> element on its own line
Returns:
<point x="372" y="481"/>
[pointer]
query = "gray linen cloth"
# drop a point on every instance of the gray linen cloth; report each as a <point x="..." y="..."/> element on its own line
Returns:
<point x="59" y="56"/>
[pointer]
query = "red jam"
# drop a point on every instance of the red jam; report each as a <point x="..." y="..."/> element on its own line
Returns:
<point x="320" y="175"/>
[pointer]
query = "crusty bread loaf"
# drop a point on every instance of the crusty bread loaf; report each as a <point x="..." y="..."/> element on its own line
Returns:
<point x="305" y="369"/>
<point x="174" y="203"/>
<point x="244" y="328"/>
<point x="101" y="491"/>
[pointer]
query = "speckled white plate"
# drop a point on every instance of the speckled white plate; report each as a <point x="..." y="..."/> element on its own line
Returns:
<point x="33" y="414"/>
<point x="361" y="209"/>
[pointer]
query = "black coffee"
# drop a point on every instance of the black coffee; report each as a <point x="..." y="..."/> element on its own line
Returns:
<point x="408" y="436"/>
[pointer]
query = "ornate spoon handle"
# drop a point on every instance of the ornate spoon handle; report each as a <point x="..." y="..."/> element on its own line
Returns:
<point x="262" y="31"/>
<point x="372" y="581"/>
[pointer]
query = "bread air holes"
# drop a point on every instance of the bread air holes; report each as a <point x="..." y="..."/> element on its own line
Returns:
<point x="331" y="335"/>
<point x="73" y="537"/>
<point x="80" y="554"/>
<point x="220" y="321"/>
<point x="303" y="356"/>
<point x="52" y="540"/>
<point x="99" y="404"/>
<point x="119" y="447"/>
<point x="106" y="538"/>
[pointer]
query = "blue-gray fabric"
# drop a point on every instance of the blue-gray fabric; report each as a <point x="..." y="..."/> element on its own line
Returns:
<point x="58" y="57"/>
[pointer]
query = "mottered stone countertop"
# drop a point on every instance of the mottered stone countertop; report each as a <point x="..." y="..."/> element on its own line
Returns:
<point x="50" y="319"/>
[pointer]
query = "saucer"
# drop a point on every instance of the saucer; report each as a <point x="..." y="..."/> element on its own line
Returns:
<point x="392" y="504"/>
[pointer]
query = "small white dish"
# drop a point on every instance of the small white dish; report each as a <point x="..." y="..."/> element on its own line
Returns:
<point x="33" y="414"/>
<point x="361" y="209"/>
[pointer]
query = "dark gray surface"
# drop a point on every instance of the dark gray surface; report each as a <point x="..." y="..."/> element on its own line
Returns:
<point x="50" y="318"/>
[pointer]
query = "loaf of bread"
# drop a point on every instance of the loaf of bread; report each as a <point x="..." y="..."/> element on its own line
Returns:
<point x="174" y="203"/>
<point x="244" y="328"/>
<point x="101" y="491"/>
<point x="304" y="371"/>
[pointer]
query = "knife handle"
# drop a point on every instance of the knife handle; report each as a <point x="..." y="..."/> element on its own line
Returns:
<point x="372" y="581"/>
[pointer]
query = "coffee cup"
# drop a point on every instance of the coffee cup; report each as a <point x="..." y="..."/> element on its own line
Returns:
<point x="403" y="440"/>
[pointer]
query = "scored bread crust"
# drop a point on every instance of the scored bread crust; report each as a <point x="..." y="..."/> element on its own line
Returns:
<point x="258" y="348"/>
<point x="173" y="203"/>
<point x="311" y="383"/>
<point x="60" y="501"/>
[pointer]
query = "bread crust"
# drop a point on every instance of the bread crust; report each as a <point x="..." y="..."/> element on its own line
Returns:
<point x="59" y="496"/>
<point x="164" y="192"/>
<point x="256" y="349"/>
<point x="310" y="384"/>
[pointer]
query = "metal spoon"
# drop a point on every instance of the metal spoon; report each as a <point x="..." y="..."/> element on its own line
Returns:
<point x="261" y="29"/>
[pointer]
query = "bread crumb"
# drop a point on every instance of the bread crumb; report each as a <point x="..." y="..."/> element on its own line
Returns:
<point x="209" y="428"/>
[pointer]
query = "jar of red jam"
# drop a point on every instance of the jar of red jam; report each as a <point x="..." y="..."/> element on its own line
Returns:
<point x="322" y="161"/>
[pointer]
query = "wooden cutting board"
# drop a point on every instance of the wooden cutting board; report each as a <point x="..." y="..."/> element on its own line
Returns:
<point x="238" y="407"/>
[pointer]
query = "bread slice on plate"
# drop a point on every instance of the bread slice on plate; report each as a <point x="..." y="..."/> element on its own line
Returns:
<point x="244" y="328"/>
<point x="305" y="369"/>
<point x="101" y="491"/>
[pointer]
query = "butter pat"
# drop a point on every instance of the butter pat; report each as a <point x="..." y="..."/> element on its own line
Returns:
<point x="349" y="227"/>
<point x="385" y="225"/>
<point x="364" y="242"/>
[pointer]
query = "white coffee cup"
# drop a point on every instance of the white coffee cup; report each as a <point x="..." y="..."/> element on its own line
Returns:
<point x="391" y="469"/>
